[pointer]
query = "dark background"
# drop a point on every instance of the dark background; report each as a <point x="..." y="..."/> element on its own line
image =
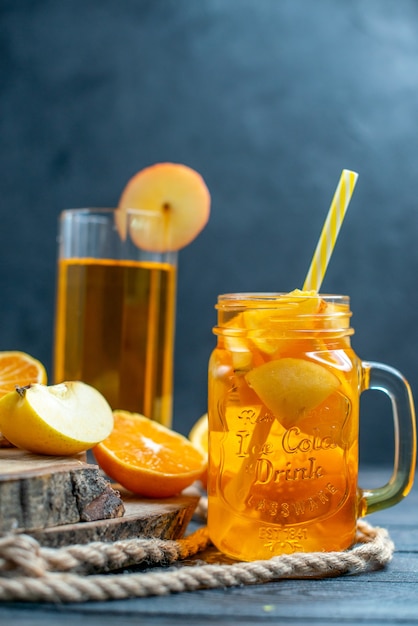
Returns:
<point x="269" y="100"/>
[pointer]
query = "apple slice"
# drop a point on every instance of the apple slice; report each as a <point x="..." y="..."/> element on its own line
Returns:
<point x="173" y="191"/>
<point x="236" y="345"/>
<point x="289" y="387"/>
<point x="59" y="419"/>
<point x="241" y="355"/>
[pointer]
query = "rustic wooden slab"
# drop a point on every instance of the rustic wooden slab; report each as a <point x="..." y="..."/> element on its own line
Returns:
<point x="38" y="491"/>
<point x="65" y="500"/>
<point x="167" y="518"/>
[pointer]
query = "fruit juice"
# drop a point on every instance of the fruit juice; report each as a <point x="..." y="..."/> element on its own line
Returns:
<point x="115" y="331"/>
<point x="283" y="427"/>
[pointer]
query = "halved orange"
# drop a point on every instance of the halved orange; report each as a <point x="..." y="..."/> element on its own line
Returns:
<point x="18" y="369"/>
<point x="148" y="458"/>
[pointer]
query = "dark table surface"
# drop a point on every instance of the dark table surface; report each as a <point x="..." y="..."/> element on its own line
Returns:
<point x="387" y="596"/>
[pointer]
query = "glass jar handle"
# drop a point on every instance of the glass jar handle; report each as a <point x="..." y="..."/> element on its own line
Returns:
<point x="387" y="379"/>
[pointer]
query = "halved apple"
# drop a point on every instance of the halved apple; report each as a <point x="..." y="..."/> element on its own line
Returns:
<point x="174" y="192"/>
<point x="59" y="419"/>
<point x="289" y="387"/>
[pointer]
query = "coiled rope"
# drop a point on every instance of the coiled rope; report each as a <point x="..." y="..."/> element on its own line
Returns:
<point x="79" y="573"/>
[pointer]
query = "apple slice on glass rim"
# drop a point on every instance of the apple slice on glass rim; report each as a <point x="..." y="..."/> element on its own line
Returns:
<point x="174" y="192"/>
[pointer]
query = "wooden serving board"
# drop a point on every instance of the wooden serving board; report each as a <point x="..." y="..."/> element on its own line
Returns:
<point x="167" y="518"/>
<point x="38" y="491"/>
<point x="65" y="500"/>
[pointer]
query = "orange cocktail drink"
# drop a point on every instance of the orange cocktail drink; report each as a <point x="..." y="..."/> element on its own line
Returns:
<point x="284" y="387"/>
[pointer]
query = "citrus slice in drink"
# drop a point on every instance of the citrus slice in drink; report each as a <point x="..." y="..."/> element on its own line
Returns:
<point x="175" y="192"/>
<point x="18" y="369"/>
<point x="270" y="324"/>
<point x="290" y="387"/>
<point x="62" y="419"/>
<point x="147" y="458"/>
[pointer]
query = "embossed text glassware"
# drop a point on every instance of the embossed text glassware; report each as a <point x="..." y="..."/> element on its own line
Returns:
<point x="284" y="389"/>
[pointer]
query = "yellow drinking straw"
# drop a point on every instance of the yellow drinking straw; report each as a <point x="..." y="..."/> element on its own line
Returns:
<point x="330" y="230"/>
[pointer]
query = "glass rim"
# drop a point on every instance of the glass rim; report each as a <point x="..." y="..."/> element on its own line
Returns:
<point x="275" y="297"/>
<point x="105" y="210"/>
<point x="108" y="233"/>
<point x="284" y="308"/>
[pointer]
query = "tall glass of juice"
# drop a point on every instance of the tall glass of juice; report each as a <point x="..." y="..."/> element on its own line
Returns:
<point x="115" y="309"/>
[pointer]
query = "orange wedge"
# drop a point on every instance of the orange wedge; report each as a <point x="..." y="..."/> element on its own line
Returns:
<point x="18" y="369"/>
<point x="148" y="458"/>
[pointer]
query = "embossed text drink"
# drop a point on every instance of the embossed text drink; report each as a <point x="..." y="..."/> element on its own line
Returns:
<point x="115" y="314"/>
<point x="284" y="388"/>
